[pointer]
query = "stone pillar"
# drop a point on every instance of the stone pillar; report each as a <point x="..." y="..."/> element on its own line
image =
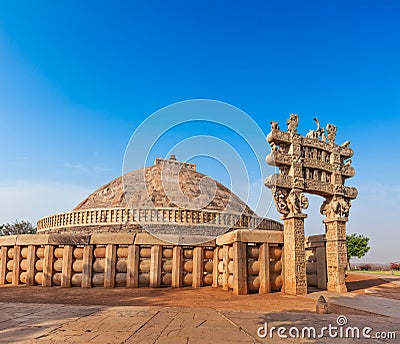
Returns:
<point x="336" y="254"/>
<point x="215" y="272"/>
<point x="295" y="279"/>
<point x="67" y="266"/>
<point x="239" y="268"/>
<point x="87" y="269"/>
<point x="31" y="271"/>
<point x="263" y="258"/>
<point x="17" y="265"/>
<point x="225" y="259"/>
<point x="177" y="258"/>
<point x="197" y="267"/>
<point x="155" y="266"/>
<point x="3" y="265"/>
<point x="109" y="267"/>
<point x="132" y="272"/>
<point x="48" y="266"/>
<point x="320" y="253"/>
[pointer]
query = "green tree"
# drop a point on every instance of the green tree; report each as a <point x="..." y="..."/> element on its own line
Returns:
<point x="357" y="246"/>
<point x="17" y="227"/>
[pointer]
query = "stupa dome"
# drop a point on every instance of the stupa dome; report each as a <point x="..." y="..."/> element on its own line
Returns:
<point x="195" y="190"/>
<point x="168" y="198"/>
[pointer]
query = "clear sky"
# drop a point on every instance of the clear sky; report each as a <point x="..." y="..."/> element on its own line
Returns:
<point x="78" y="77"/>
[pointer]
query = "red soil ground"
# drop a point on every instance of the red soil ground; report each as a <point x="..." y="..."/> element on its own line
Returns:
<point x="358" y="283"/>
<point x="206" y="297"/>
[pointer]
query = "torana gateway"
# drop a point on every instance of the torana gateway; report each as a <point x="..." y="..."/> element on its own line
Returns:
<point x="168" y="225"/>
<point x="317" y="165"/>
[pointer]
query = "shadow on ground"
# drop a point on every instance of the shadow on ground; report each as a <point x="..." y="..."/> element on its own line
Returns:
<point x="206" y="297"/>
<point x="365" y="284"/>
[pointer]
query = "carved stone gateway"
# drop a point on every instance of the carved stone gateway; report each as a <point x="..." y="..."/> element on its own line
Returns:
<point x="312" y="164"/>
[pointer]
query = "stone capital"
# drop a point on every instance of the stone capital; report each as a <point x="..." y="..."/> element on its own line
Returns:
<point x="294" y="216"/>
<point x="335" y="219"/>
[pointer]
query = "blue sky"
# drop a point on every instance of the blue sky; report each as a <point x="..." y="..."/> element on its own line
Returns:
<point x="77" y="78"/>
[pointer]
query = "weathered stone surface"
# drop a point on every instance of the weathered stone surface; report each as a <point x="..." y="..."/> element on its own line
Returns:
<point x="336" y="254"/>
<point x="155" y="266"/>
<point x="109" y="267"/>
<point x="148" y="239"/>
<point x="169" y="195"/>
<point x="132" y="275"/>
<point x="177" y="258"/>
<point x="112" y="238"/>
<point x="8" y="240"/>
<point x="68" y="239"/>
<point x="87" y="268"/>
<point x="294" y="257"/>
<point x="32" y="239"/>
<point x="157" y="193"/>
<point x="239" y="268"/>
<point x="255" y="236"/>
<point x="317" y="165"/>
<point x="67" y="266"/>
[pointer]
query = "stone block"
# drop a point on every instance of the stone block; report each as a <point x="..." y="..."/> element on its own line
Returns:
<point x="112" y="238"/>
<point x="3" y="265"/>
<point x="295" y="276"/>
<point x="87" y="270"/>
<point x="177" y="259"/>
<point x="215" y="272"/>
<point x="31" y="261"/>
<point x="8" y="240"/>
<point x="239" y="268"/>
<point x="321" y="267"/>
<point x="67" y="266"/>
<point x="225" y="263"/>
<point x="155" y="266"/>
<point x="255" y="236"/>
<point x="109" y="268"/>
<point x="315" y="241"/>
<point x="16" y="265"/>
<point x="32" y="239"/>
<point x="132" y="273"/>
<point x="197" y="267"/>
<point x="47" y="279"/>
<point x="69" y="239"/>
<point x="148" y="239"/>
<point x="264" y="265"/>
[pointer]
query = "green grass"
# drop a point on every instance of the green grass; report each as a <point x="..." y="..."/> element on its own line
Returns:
<point x="378" y="272"/>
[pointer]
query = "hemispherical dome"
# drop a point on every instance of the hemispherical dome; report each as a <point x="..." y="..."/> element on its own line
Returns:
<point x="169" y="198"/>
<point x="167" y="184"/>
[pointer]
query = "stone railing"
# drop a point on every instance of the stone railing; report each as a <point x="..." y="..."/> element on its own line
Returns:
<point x="242" y="261"/>
<point x="315" y="246"/>
<point x="115" y="216"/>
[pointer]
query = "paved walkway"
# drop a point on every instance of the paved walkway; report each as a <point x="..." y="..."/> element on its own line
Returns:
<point x="44" y="323"/>
<point x="365" y="303"/>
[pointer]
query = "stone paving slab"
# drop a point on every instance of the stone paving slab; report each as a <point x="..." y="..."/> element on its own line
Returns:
<point x="302" y="320"/>
<point x="24" y="322"/>
<point x="38" y="323"/>
<point x="366" y="303"/>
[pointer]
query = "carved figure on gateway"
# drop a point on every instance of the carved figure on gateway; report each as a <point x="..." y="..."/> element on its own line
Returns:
<point x="316" y="134"/>
<point x="336" y="207"/>
<point x="313" y="164"/>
